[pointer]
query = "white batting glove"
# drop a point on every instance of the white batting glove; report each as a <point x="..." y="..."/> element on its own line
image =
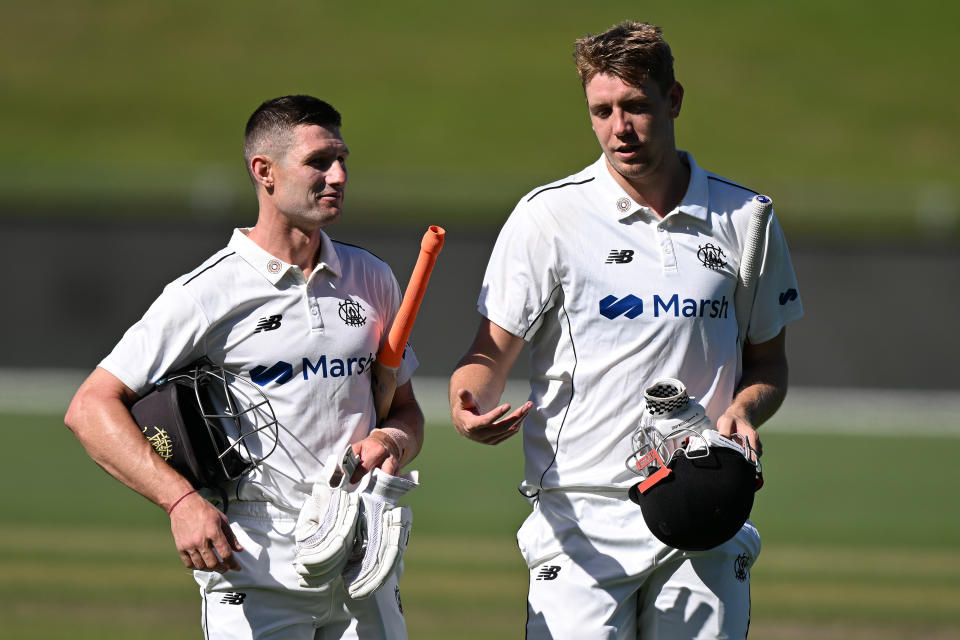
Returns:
<point x="326" y="528"/>
<point x="384" y="529"/>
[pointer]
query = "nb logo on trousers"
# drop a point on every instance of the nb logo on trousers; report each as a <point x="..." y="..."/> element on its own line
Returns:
<point x="548" y="572"/>
<point x="233" y="597"/>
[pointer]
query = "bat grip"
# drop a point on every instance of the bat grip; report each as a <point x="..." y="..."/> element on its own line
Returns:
<point x="753" y="242"/>
<point x="392" y="352"/>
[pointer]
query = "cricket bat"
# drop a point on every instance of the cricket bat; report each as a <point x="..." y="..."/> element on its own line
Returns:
<point x="760" y="208"/>
<point x="384" y="374"/>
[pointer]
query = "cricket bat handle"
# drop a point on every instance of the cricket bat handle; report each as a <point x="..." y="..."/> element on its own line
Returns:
<point x="384" y="374"/>
<point x="392" y="352"/>
<point x="760" y="208"/>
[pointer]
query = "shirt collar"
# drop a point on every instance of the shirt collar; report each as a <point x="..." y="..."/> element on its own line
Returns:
<point x="272" y="268"/>
<point x="696" y="201"/>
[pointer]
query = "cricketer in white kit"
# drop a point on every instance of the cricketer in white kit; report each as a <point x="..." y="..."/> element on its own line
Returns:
<point x="302" y="318"/>
<point x="611" y="291"/>
<point x="309" y="344"/>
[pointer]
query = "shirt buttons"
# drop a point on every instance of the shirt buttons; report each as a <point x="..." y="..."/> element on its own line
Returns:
<point x="315" y="311"/>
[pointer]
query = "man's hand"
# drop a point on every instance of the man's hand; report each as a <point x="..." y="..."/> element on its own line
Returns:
<point x="396" y="440"/>
<point x="492" y="427"/>
<point x="732" y="422"/>
<point x="376" y="451"/>
<point x="479" y="380"/>
<point x="203" y="536"/>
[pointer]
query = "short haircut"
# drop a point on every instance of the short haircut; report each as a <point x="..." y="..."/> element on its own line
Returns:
<point x="270" y="128"/>
<point x="631" y="51"/>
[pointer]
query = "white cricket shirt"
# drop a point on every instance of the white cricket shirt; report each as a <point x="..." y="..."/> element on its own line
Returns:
<point x="307" y="343"/>
<point x="610" y="297"/>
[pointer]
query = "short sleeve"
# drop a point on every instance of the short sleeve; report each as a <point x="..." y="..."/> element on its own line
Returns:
<point x="777" y="302"/>
<point x="520" y="281"/>
<point x="168" y="336"/>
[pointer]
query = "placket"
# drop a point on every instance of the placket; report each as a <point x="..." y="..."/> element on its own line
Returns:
<point x="311" y="302"/>
<point x="668" y="256"/>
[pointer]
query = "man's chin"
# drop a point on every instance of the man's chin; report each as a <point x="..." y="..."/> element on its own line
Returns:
<point x="630" y="170"/>
<point x="331" y="217"/>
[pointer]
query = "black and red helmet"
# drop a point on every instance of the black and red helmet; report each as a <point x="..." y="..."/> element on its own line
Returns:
<point x="697" y="486"/>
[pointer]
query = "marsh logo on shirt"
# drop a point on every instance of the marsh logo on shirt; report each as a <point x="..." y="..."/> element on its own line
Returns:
<point x="324" y="367"/>
<point x="630" y="306"/>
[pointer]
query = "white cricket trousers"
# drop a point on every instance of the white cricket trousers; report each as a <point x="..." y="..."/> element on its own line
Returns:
<point x="264" y="601"/>
<point x="596" y="573"/>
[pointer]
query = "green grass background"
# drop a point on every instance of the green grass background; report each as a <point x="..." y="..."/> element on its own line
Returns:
<point x="845" y="112"/>
<point x="861" y="540"/>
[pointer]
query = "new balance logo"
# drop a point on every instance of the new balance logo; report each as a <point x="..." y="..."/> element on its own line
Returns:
<point x="619" y="256"/>
<point x="548" y="572"/>
<point x="787" y="296"/>
<point x="268" y="324"/>
<point x="610" y="307"/>
<point x="233" y="598"/>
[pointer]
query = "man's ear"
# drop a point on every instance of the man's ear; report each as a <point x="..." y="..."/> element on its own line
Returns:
<point x="675" y="95"/>
<point x="261" y="168"/>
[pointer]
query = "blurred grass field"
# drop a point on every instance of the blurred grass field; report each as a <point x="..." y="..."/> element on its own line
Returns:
<point x="843" y="112"/>
<point x="861" y="540"/>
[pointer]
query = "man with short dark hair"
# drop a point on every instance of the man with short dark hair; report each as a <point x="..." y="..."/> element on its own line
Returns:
<point x="269" y="309"/>
<point x="617" y="276"/>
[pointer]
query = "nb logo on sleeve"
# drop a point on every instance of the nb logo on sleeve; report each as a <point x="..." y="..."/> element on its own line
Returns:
<point x="548" y="572"/>
<point x="619" y="256"/>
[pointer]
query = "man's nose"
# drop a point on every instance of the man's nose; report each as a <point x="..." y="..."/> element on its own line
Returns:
<point x="337" y="174"/>
<point x="621" y="125"/>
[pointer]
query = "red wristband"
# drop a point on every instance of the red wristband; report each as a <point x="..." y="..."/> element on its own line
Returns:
<point x="173" y="506"/>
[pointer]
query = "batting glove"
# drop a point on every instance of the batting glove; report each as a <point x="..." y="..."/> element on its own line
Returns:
<point x="326" y="528"/>
<point x="383" y="532"/>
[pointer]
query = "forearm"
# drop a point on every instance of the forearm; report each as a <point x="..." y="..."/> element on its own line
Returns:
<point x="763" y="383"/>
<point x="476" y="373"/>
<point x="760" y="393"/>
<point x="402" y="430"/>
<point x="404" y="426"/>
<point x="103" y="425"/>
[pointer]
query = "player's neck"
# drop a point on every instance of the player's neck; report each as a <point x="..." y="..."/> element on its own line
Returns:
<point x="661" y="190"/>
<point x="288" y="243"/>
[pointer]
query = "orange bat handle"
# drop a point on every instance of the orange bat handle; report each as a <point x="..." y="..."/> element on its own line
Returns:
<point x="392" y="352"/>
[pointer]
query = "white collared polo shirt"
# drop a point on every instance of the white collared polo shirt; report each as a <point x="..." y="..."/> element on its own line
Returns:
<point x="610" y="297"/>
<point x="308" y="344"/>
